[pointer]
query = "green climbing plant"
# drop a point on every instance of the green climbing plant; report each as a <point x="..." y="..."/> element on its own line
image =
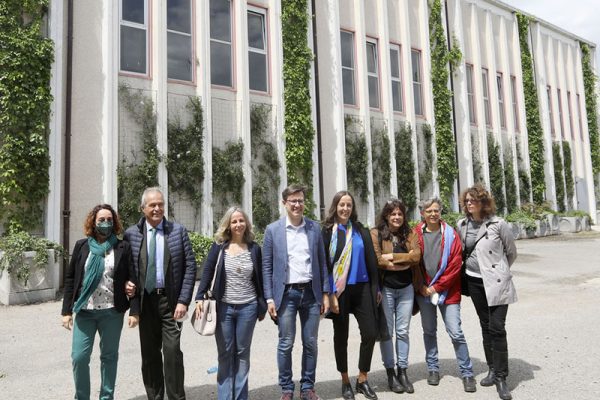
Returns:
<point x="532" y="111"/>
<point x="589" y="84"/>
<point x="496" y="172"/>
<point x="25" y="61"/>
<point x="509" y="183"/>
<point x="405" y="166"/>
<point x="559" y="177"/>
<point x="568" y="164"/>
<point x="524" y="183"/>
<point x="228" y="175"/>
<point x="426" y="163"/>
<point x="357" y="159"/>
<point x="381" y="161"/>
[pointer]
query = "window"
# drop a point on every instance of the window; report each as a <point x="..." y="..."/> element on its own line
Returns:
<point x="570" y="110"/>
<point x="180" y="64"/>
<point x="500" y="84"/>
<point x="417" y="80"/>
<point x="486" y="97"/>
<point x="579" y="116"/>
<point x="549" y="95"/>
<point x="257" y="51"/>
<point x="397" y="100"/>
<point x="515" y="104"/>
<point x="134" y="36"/>
<point x="221" y="55"/>
<point x="560" y="114"/>
<point x="347" y="44"/>
<point x="373" y="74"/>
<point x="471" y="95"/>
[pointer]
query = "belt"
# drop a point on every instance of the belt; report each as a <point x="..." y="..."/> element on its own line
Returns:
<point x="159" y="291"/>
<point x="299" y="286"/>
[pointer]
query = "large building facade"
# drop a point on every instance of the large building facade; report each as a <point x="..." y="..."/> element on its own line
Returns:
<point x="128" y="73"/>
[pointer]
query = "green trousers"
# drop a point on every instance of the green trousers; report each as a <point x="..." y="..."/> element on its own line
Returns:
<point x="108" y="323"/>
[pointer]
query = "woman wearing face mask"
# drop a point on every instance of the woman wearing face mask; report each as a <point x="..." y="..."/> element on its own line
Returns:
<point x="352" y="267"/>
<point x="95" y="291"/>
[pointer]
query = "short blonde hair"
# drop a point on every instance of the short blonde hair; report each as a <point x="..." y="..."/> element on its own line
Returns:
<point x="224" y="232"/>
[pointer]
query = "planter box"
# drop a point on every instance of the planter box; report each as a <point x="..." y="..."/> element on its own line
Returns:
<point x="585" y="224"/>
<point x="553" y="223"/>
<point x="570" y="224"/>
<point x="542" y="229"/>
<point x="41" y="286"/>
<point x="516" y="230"/>
<point x="519" y="231"/>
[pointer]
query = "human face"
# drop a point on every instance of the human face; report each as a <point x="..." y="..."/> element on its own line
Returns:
<point x="154" y="209"/>
<point x="237" y="225"/>
<point x="474" y="206"/>
<point x="432" y="214"/>
<point x="395" y="219"/>
<point x="294" y="205"/>
<point x="103" y="215"/>
<point x="344" y="210"/>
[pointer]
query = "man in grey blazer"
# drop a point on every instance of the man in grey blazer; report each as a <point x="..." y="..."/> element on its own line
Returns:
<point x="295" y="282"/>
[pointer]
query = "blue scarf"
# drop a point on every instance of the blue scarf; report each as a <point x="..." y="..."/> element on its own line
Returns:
<point x="94" y="270"/>
<point x="448" y="239"/>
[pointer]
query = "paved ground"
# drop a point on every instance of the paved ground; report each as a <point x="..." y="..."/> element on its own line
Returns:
<point x="553" y="333"/>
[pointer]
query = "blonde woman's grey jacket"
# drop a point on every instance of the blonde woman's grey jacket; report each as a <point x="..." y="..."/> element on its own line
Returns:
<point x="496" y="252"/>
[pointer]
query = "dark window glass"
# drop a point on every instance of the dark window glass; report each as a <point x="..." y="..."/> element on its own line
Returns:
<point x="258" y="75"/>
<point x="256" y="30"/>
<point x="179" y="64"/>
<point x="179" y="16"/>
<point x="133" y="49"/>
<point x="133" y="11"/>
<point x="220" y="64"/>
<point x="220" y="20"/>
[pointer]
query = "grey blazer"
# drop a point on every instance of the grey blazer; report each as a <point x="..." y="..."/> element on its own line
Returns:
<point x="496" y="252"/>
<point x="275" y="261"/>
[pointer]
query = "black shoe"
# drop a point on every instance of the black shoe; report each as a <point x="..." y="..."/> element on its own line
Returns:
<point x="347" y="392"/>
<point x="366" y="390"/>
<point x="403" y="379"/>
<point x="393" y="383"/>
<point x="433" y="378"/>
<point x="470" y="384"/>
<point x="502" y="388"/>
<point x="490" y="379"/>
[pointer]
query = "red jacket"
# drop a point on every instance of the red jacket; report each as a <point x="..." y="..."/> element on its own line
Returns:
<point x="450" y="280"/>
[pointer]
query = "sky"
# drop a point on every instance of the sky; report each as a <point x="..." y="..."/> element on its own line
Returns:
<point x="576" y="16"/>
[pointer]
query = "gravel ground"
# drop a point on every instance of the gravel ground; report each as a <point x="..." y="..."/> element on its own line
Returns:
<point x="553" y="340"/>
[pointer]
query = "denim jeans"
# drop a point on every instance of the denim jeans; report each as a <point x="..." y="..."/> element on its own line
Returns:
<point x="108" y="323"/>
<point x="302" y="302"/>
<point x="234" y="336"/>
<point x="451" y="316"/>
<point x="397" y="306"/>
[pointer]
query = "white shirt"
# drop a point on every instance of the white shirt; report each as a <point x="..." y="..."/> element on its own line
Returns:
<point x="104" y="295"/>
<point x="160" y="252"/>
<point x="299" y="265"/>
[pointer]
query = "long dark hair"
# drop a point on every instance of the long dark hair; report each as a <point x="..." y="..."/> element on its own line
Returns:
<point x="382" y="225"/>
<point x="332" y="213"/>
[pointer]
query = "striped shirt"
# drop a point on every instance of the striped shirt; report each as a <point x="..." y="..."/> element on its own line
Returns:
<point x="239" y="287"/>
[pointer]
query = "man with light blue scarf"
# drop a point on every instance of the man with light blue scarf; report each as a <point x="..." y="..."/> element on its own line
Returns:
<point x="441" y="261"/>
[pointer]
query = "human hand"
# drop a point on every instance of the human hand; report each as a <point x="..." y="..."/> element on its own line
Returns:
<point x="133" y="321"/>
<point x="334" y="304"/>
<point x="388" y="257"/>
<point x="424" y="291"/>
<point x="180" y="311"/>
<point x="379" y="297"/>
<point x="198" y="310"/>
<point x="325" y="304"/>
<point x="272" y="311"/>
<point x="130" y="289"/>
<point x="67" y="322"/>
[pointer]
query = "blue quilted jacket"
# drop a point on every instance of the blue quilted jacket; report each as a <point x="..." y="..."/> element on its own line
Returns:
<point x="181" y="273"/>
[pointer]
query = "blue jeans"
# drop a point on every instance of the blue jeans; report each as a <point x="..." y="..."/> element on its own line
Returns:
<point x="234" y="336"/>
<point x="451" y="316"/>
<point x="397" y="306"/>
<point x="302" y="302"/>
<point x="108" y="323"/>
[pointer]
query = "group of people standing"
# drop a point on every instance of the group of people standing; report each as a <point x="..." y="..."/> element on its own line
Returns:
<point x="306" y="269"/>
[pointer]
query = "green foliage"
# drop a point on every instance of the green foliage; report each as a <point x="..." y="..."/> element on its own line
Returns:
<point x="425" y="170"/>
<point x="228" y="176"/>
<point x="405" y="167"/>
<point x="559" y="179"/>
<point x="185" y="159"/>
<point x="201" y="245"/>
<point x="568" y="164"/>
<point x="496" y="173"/>
<point x="452" y="218"/>
<point x="537" y="211"/>
<point x="509" y="183"/>
<point x="441" y="58"/>
<point x="25" y="62"/>
<point x="299" y="132"/>
<point x="524" y="184"/>
<point x="576" y="213"/>
<point x="381" y="159"/>
<point x="476" y="159"/>
<point x="524" y="218"/>
<point x="265" y="169"/>
<point x="135" y="176"/>
<point x="357" y="160"/>
<point x="15" y="244"/>
<point x="532" y="111"/>
<point x="589" y="84"/>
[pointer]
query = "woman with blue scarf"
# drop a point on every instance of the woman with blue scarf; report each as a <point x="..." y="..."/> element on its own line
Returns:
<point x="95" y="291"/>
<point x="353" y="278"/>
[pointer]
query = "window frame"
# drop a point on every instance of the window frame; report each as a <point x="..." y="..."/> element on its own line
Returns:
<point x="487" y="105"/>
<point x="471" y="104"/>
<point x="560" y="113"/>
<point x="147" y="28"/>
<point x="397" y="47"/>
<point x="550" y="111"/>
<point x="192" y="35"/>
<point x="231" y="45"/>
<point x="501" y="98"/>
<point x="515" y="103"/>
<point x="347" y="68"/>
<point x="570" y="111"/>
<point x="578" y="98"/>
<point x="418" y="83"/>
<point x="264" y="13"/>
<point x="374" y="42"/>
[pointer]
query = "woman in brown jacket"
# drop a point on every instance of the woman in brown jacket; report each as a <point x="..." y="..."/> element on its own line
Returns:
<point x="398" y="256"/>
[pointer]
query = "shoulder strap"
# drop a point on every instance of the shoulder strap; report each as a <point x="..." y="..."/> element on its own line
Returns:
<point x="209" y="293"/>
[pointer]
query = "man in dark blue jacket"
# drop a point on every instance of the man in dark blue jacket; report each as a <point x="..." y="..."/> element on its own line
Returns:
<point x="166" y="270"/>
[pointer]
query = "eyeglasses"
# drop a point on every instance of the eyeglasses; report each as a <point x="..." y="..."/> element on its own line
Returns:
<point x="296" y="202"/>
<point x="472" y="201"/>
<point x="429" y="212"/>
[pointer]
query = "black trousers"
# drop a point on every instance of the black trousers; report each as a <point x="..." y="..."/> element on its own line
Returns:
<point x="160" y="332"/>
<point x="492" y="320"/>
<point x="355" y="299"/>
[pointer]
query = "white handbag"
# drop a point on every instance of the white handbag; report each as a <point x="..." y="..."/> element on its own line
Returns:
<point x="206" y="324"/>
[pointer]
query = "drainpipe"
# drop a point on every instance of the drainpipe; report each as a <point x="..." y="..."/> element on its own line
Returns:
<point x="318" y="113"/>
<point x="66" y="213"/>
<point x="452" y="89"/>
